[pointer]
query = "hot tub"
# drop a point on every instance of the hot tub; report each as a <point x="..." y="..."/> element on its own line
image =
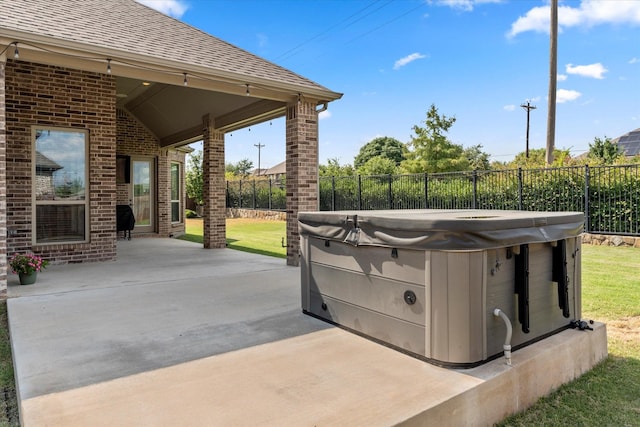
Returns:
<point x="427" y="282"/>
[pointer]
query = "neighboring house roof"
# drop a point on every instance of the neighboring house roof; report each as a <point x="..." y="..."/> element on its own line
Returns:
<point x="629" y="143"/>
<point x="279" y="169"/>
<point x="45" y="164"/>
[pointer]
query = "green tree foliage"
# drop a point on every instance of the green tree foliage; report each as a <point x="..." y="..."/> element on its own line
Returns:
<point x="604" y="151"/>
<point x="379" y="165"/>
<point x="193" y="177"/>
<point x="537" y="159"/>
<point x="478" y="159"/>
<point x="239" y="169"/>
<point x="431" y="151"/>
<point x="334" y="168"/>
<point x="383" y="146"/>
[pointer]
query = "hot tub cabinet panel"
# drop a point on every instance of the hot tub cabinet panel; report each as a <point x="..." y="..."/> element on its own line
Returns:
<point x="428" y="291"/>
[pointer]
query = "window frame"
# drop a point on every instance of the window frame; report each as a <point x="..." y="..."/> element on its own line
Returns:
<point x="179" y="190"/>
<point x="34" y="182"/>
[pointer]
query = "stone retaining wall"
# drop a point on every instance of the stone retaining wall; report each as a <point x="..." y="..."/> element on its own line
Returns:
<point x="610" y="240"/>
<point x="256" y="213"/>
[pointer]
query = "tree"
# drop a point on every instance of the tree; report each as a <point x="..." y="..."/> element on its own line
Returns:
<point x="333" y="168"/>
<point x="537" y="159"/>
<point x="383" y="146"/>
<point x="432" y="151"/>
<point x="378" y="165"/>
<point x="241" y="168"/>
<point x="193" y="177"/>
<point x="604" y="151"/>
<point x="478" y="159"/>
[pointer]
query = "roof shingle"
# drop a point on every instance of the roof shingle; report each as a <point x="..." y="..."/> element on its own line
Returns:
<point x="127" y="26"/>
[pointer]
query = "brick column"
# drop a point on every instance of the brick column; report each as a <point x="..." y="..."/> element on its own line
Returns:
<point x="164" y="193"/>
<point x="3" y="182"/>
<point x="302" y="170"/>
<point x="213" y="185"/>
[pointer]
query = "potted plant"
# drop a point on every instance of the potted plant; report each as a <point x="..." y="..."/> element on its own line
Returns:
<point x="26" y="266"/>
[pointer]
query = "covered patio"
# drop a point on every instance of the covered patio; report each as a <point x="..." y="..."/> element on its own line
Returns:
<point x="218" y="338"/>
<point x="125" y="81"/>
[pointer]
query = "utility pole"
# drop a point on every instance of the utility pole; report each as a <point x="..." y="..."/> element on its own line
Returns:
<point x="527" y="107"/>
<point x="553" y="82"/>
<point x="259" y="147"/>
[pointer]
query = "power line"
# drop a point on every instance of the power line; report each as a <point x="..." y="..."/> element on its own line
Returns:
<point x="289" y="53"/>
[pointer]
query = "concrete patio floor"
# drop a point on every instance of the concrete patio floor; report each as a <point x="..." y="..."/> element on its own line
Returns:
<point x="172" y="334"/>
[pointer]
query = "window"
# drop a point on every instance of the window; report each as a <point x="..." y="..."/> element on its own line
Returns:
<point x="175" y="192"/>
<point x="60" y="185"/>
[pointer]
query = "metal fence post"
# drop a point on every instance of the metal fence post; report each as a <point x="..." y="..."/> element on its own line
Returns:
<point x="227" y="200"/>
<point x="333" y="193"/>
<point x="359" y="193"/>
<point x="240" y="194"/>
<point x="390" y="193"/>
<point x="587" y="196"/>
<point x="475" y="189"/>
<point x="254" y="194"/>
<point x="270" y="196"/>
<point x="426" y="191"/>
<point x="519" y="188"/>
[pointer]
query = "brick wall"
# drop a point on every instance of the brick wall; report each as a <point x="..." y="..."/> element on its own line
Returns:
<point x="213" y="188"/>
<point x="3" y="181"/>
<point x="134" y="139"/>
<point x="45" y="95"/>
<point x="301" y="171"/>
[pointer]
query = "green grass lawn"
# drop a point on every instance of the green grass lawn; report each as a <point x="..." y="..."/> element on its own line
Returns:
<point x="608" y="395"/>
<point x="248" y="235"/>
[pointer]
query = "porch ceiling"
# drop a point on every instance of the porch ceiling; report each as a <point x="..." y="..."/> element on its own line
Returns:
<point x="174" y="113"/>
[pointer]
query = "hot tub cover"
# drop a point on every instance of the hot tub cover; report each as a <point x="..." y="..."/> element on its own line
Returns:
<point x="435" y="229"/>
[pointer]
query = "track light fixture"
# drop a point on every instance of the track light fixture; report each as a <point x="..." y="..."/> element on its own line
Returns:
<point x="247" y="92"/>
<point x="108" y="65"/>
<point x="185" y="82"/>
<point x="16" y="52"/>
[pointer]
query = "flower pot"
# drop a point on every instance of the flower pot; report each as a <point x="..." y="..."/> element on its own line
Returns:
<point x="28" y="279"/>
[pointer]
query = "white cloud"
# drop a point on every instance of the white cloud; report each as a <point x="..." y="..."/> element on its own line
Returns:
<point x="565" y="95"/>
<point x="595" y="71"/>
<point x="510" y="107"/>
<point x="465" y="5"/>
<point x="562" y="77"/>
<point x="174" y="8"/>
<point x="634" y="61"/>
<point x="407" y="59"/>
<point x="324" y="115"/>
<point x="263" y="40"/>
<point x="589" y="13"/>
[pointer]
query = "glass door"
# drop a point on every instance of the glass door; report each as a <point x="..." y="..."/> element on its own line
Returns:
<point x="143" y="195"/>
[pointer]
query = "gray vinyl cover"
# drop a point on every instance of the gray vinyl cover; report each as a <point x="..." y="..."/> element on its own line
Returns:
<point x="435" y="229"/>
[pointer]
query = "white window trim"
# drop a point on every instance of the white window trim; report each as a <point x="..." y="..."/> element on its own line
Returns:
<point x="179" y="199"/>
<point x="35" y="203"/>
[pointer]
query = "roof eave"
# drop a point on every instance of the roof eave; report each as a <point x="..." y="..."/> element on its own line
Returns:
<point x="94" y="58"/>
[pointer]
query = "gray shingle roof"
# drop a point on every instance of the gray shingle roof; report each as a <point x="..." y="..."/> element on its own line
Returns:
<point x="130" y="27"/>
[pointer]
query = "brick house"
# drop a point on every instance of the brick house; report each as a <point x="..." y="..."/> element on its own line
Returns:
<point x="109" y="93"/>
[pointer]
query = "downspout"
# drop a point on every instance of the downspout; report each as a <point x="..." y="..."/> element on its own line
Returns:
<point x="507" y="341"/>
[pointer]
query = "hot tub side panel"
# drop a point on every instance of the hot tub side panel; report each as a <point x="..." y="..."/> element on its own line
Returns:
<point x="363" y="289"/>
<point x="545" y="314"/>
<point x="455" y="320"/>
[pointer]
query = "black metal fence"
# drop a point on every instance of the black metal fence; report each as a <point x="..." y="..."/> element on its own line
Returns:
<point x="257" y="194"/>
<point x="609" y="196"/>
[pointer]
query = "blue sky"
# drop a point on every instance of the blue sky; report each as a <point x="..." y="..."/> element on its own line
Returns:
<point x="477" y="60"/>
